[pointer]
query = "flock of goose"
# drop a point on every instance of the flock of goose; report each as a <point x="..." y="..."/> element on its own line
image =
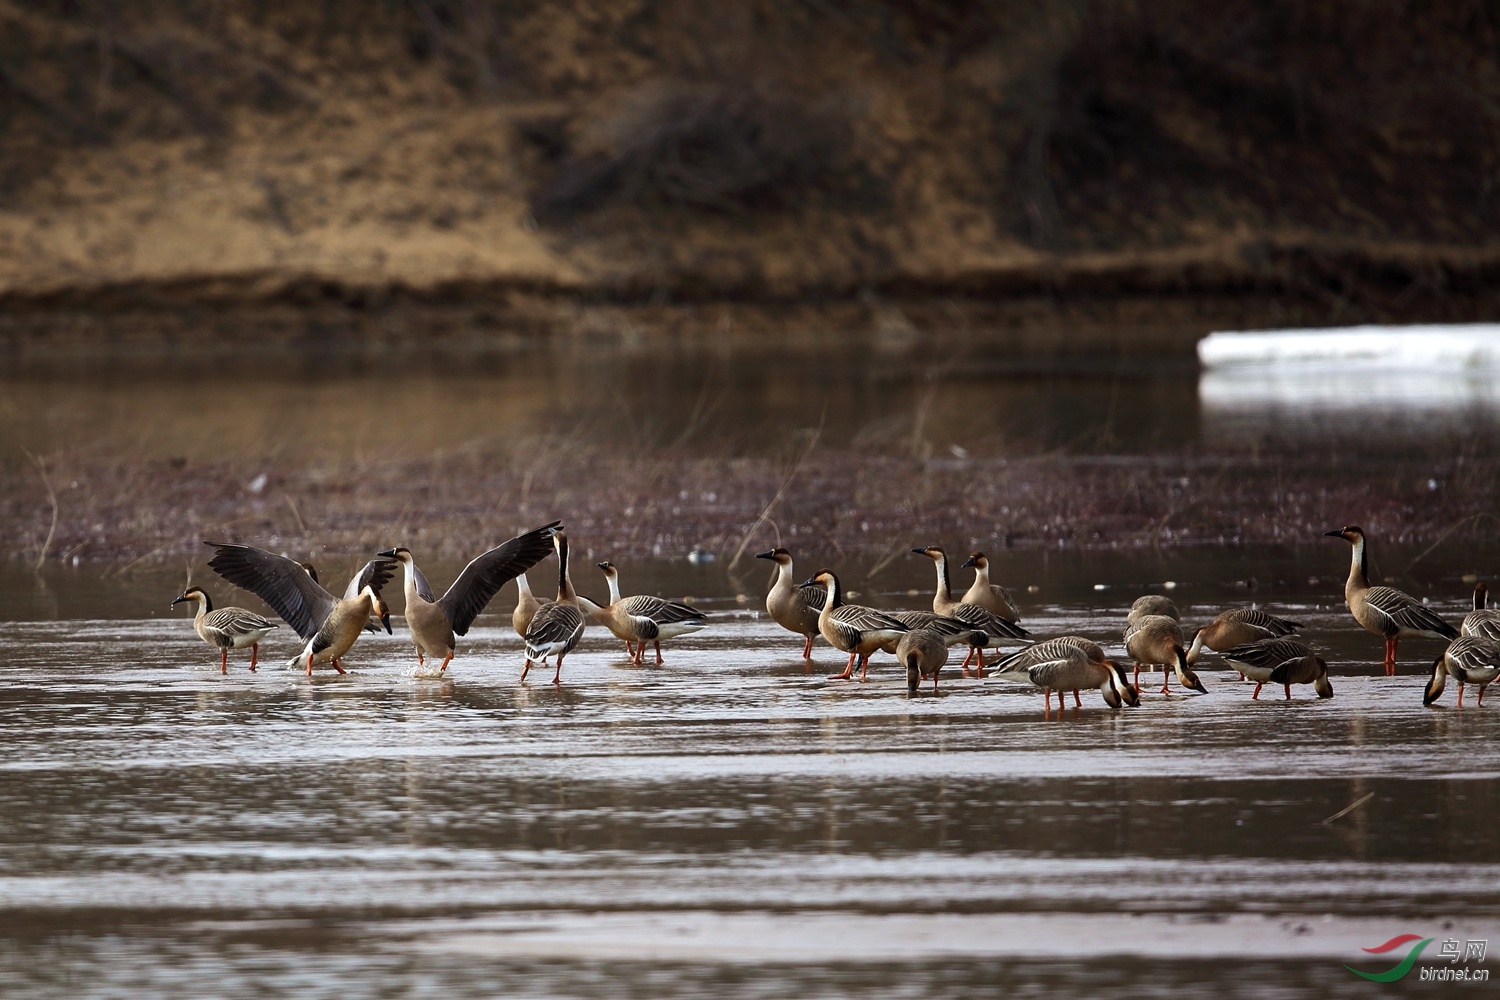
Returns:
<point x="1261" y="646"/>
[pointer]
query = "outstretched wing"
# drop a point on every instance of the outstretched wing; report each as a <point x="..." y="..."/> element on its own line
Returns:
<point x="280" y="582"/>
<point x="482" y="579"/>
<point x="374" y="574"/>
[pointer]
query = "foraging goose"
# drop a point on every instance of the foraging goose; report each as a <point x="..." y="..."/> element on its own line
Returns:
<point x="990" y="596"/>
<point x="433" y="621"/>
<point x="1469" y="659"/>
<point x="526" y="605"/>
<point x="328" y="624"/>
<point x="1385" y="611"/>
<point x="1066" y="664"/>
<point x="922" y="652"/>
<point x="852" y="628"/>
<point x="1238" y="627"/>
<point x="1157" y="639"/>
<point x="1151" y="604"/>
<point x="1281" y="660"/>
<point x="226" y="628"/>
<point x="1483" y="621"/>
<point x="944" y="603"/>
<point x="792" y="606"/>
<point x="557" y="625"/>
<point x="643" y="619"/>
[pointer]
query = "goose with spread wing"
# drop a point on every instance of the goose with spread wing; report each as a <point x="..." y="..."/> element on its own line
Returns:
<point x="434" y="621"/>
<point x="329" y="625"/>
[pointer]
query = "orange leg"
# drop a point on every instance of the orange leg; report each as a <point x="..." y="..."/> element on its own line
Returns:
<point x="557" y="677"/>
<point x="807" y="648"/>
<point x="1076" y="702"/>
<point x="1481" y="695"/>
<point x="1166" y="681"/>
<point x="1047" y="701"/>
<point x="969" y="658"/>
<point x="309" y="664"/>
<point x="848" y="673"/>
<point x="935" y="677"/>
<point x="1137" y="680"/>
<point x="1390" y="656"/>
<point x="1255" y="695"/>
<point x="1460" y="694"/>
<point x="254" y="652"/>
<point x="1288" y="691"/>
<point x="446" y="660"/>
<point x="979" y="667"/>
<point x="420" y="662"/>
<point x="526" y="669"/>
<point x="657" y="643"/>
<point x="630" y="651"/>
<point x="339" y="667"/>
<point x="635" y="653"/>
<point x="864" y="668"/>
<point x="224" y="661"/>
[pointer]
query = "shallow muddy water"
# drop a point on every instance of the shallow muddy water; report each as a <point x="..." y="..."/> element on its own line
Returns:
<point x="729" y="824"/>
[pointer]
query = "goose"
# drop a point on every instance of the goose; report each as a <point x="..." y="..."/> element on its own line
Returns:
<point x="1152" y="604"/>
<point x="557" y="625"/>
<point x="433" y="621"/>
<point x="641" y="619"/>
<point x="226" y="628"/>
<point x="1470" y="659"/>
<point x="1283" y="660"/>
<point x="1157" y="639"/>
<point x="922" y="652"/>
<point x="329" y="625"/>
<point x="1385" y="611"/>
<point x="1483" y="621"/>
<point x="794" y="607"/>
<point x="852" y="628"/>
<point x="526" y="605"/>
<point x="944" y="603"/>
<point x="1238" y="627"/>
<point x="950" y="630"/>
<point x="990" y="596"/>
<point x="1068" y="664"/>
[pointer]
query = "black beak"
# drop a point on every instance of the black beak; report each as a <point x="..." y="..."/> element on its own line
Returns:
<point x="919" y="552"/>
<point x="766" y="555"/>
<point x="177" y="601"/>
<point x="387" y="553"/>
<point x="386" y="621"/>
<point x="1335" y="534"/>
<point x="808" y="583"/>
<point x="968" y="563"/>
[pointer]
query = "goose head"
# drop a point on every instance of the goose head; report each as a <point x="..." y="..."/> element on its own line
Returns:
<point x="191" y="594"/>
<point x="1434" y="689"/>
<point x="400" y="553"/>
<point x="977" y="560"/>
<point x="1353" y="534"/>
<point x="778" y="555"/>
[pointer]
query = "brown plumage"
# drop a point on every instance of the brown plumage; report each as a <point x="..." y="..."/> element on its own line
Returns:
<point x="1237" y="627"/>
<point x="1157" y="640"/>
<point x="944" y="603"/>
<point x="793" y="606"/>
<point x="1284" y="660"/>
<point x="852" y="628"/>
<point x="1386" y="611"/>
<point x="922" y="652"/>
<point x="1470" y="659"/>
<point x="990" y="596"/>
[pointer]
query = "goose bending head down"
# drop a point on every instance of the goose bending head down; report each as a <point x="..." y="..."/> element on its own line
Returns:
<point x="1070" y="663"/>
<point x="434" y="621"/>
<point x="226" y="628"/>
<point x="1470" y="659"/>
<point x="329" y="625"/>
<point x="1157" y="639"/>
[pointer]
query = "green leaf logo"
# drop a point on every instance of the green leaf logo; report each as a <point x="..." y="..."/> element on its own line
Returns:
<point x="1391" y="975"/>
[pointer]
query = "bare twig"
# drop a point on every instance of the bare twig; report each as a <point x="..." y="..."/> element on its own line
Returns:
<point x="41" y="469"/>
<point x="766" y="511"/>
<point x="290" y="503"/>
<point x="1349" y="808"/>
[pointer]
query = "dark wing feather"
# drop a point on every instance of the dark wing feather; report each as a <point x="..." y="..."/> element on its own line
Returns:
<point x="554" y="622"/>
<point x="660" y="611"/>
<point x="1484" y="623"/>
<point x="814" y="595"/>
<point x="482" y="579"/>
<point x="280" y="582"/>
<point x="1407" y="612"/>
<point x="993" y="624"/>
<point x="1268" y="654"/>
<point x="1266" y="622"/>
<point x="374" y="574"/>
<point x="424" y="589"/>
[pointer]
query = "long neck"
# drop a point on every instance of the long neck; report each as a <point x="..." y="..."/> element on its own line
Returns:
<point x="1359" y="577"/>
<point x="784" y="576"/>
<point x="565" y="590"/>
<point x="1481" y="597"/>
<point x="205" y="605"/>
<point x="982" y="574"/>
<point x="409" y="567"/>
<point x="945" y="591"/>
<point x="523" y="587"/>
<point x="835" y="594"/>
<point x="614" y="587"/>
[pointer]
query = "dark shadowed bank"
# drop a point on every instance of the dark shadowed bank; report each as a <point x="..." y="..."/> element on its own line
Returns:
<point x="173" y="171"/>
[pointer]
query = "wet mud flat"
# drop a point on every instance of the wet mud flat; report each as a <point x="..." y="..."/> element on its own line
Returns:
<point x="731" y="823"/>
